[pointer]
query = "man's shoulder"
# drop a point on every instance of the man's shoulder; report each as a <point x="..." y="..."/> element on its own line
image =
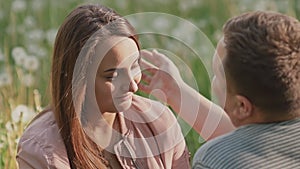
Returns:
<point x="250" y="145"/>
<point x="215" y="146"/>
<point x="221" y="149"/>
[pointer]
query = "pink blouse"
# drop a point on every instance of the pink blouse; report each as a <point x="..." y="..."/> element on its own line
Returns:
<point x="151" y="138"/>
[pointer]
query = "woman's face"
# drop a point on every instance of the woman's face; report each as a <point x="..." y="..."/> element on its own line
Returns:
<point x="117" y="76"/>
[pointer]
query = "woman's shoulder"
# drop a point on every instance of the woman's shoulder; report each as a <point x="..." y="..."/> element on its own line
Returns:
<point x="41" y="143"/>
<point x="42" y="128"/>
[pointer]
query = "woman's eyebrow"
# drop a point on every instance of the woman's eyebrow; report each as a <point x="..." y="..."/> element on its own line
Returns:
<point x="114" y="69"/>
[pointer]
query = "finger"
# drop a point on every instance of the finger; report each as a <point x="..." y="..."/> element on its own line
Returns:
<point x="146" y="65"/>
<point x="160" y="57"/>
<point x="150" y="71"/>
<point x="150" y="57"/>
<point x="145" y="88"/>
<point x="146" y="78"/>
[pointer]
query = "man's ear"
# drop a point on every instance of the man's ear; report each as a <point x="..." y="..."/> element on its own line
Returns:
<point x="244" y="107"/>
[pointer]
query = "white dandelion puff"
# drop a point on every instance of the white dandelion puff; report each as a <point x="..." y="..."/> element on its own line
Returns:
<point x="22" y="113"/>
<point x="51" y="34"/>
<point x="18" y="6"/>
<point x="9" y="126"/>
<point x="29" y="21"/>
<point x="31" y="63"/>
<point x="41" y="52"/>
<point x="35" y="35"/>
<point x="37" y="4"/>
<point x="5" y="79"/>
<point x="19" y="54"/>
<point x="36" y="50"/>
<point x="27" y="80"/>
<point x="187" y="5"/>
<point x="180" y="33"/>
<point x="161" y="23"/>
<point x="17" y="140"/>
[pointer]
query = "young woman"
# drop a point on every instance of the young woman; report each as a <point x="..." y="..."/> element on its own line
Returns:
<point x="95" y="119"/>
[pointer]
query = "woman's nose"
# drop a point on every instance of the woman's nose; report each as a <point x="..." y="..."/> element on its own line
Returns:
<point x="130" y="85"/>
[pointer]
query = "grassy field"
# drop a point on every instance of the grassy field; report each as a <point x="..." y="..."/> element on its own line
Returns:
<point x="186" y="30"/>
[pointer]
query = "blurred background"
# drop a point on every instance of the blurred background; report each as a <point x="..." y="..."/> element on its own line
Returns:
<point x="27" y="34"/>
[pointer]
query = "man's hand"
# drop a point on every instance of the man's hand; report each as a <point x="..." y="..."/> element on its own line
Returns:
<point x="161" y="77"/>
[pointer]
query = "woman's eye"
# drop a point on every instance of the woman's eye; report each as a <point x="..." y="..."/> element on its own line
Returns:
<point x="112" y="76"/>
<point x="136" y="65"/>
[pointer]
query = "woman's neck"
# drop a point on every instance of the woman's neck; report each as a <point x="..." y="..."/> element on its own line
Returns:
<point x="103" y="128"/>
<point x="109" y="118"/>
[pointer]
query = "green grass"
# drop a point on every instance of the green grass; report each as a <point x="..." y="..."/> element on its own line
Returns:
<point x="29" y="25"/>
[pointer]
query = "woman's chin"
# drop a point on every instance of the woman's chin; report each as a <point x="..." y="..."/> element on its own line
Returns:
<point x="123" y="106"/>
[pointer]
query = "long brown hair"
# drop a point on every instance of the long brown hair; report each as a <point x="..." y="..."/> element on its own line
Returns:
<point x="78" y="27"/>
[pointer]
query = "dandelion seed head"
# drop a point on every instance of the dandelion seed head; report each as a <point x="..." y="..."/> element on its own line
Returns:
<point x="29" y="21"/>
<point x="161" y="23"/>
<point x="35" y="35"/>
<point x="31" y="63"/>
<point x="27" y="80"/>
<point x="19" y="54"/>
<point x="180" y="33"/>
<point x="22" y="113"/>
<point x="36" y="50"/>
<point x="5" y="79"/>
<point x="18" y="6"/>
<point x="51" y="34"/>
<point x="37" y="4"/>
<point x="17" y="140"/>
<point x="9" y="126"/>
<point x="187" y="5"/>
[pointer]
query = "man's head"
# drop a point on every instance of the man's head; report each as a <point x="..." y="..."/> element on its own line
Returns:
<point x="261" y="59"/>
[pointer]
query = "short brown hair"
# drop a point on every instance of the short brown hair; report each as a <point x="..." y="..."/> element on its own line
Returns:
<point x="263" y="60"/>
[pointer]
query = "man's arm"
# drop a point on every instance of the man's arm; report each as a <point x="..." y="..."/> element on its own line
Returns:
<point x="163" y="80"/>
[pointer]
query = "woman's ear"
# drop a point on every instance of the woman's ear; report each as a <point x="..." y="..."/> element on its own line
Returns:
<point x="244" y="107"/>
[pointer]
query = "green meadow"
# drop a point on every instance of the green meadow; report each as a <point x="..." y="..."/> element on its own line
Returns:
<point x="187" y="31"/>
